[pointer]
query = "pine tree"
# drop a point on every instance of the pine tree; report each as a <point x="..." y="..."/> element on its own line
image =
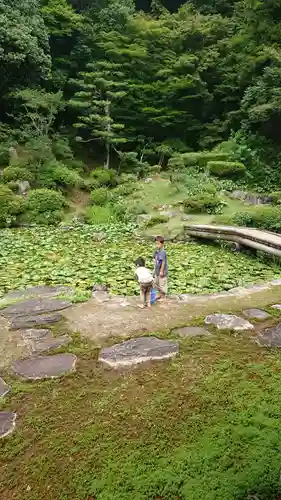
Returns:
<point x="101" y="86"/>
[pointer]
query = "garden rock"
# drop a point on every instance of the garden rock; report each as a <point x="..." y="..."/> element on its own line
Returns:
<point x="98" y="236"/>
<point x="148" y="180"/>
<point x="45" y="366"/>
<point x="23" y="187"/>
<point x="143" y="218"/>
<point x="100" y="288"/>
<point x="138" y="350"/>
<point x="270" y="337"/>
<point x="169" y="215"/>
<point x="22" y="322"/>
<point x="191" y="331"/>
<point x="4" y="388"/>
<point x="228" y="322"/>
<point x="7" y="423"/>
<point x="39" y="292"/>
<point x="35" y="333"/>
<point x="35" y="306"/>
<point x="100" y="296"/>
<point x="256" y="314"/>
<point x="47" y="344"/>
<point x="276" y="306"/>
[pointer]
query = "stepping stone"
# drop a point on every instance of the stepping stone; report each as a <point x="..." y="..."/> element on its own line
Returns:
<point x="7" y="423"/>
<point x="45" y="366"/>
<point x="276" y="306"/>
<point x="228" y="322"/>
<point x="40" y="291"/>
<point x="256" y="314"/>
<point x="191" y="331"/>
<point x="270" y="337"/>
<point x="138" y="350"/>
<point x="22" y="322"/>
<point x="35" y="306"/>
<point x="49" y="344"/>
<point x="4" y="388"/>
<point x="35" y="334"/>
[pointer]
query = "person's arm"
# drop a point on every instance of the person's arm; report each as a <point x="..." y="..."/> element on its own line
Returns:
<point x="163" y="264"/>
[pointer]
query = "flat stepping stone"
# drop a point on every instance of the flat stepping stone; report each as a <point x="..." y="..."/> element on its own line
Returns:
<point x="256" y="314"/>
<point x="40" y="291"/>
<point x="191" y="331"/>
<point x="270" y="337"/>
<point x="138" y="350"/>
<point x="7" y="423"/>
<point x="49" y="344"/>
<point x="228" y="322"/>
<point x="4" y="388"/>
<point x="34" y="307"/>
<point x="35" y="333"/>
<point x="22" y="322"/>
<point x="45" y="366"/>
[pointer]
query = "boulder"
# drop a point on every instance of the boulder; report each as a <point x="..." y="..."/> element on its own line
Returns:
<point x="4" y="388"/>
<point x="23" y="187"/>
<point x="137" y="351"/>
<point x="228" y="322"/>
<point x="169" y="215"/>
<point x="45" y="366"/>
<point x="148" y="180"/>
<point x="35" y="307"/>
<point x="258" y="314"/>
<point x="22" y="322"/>
<point x="7" y="423"/>
<point x="191" y="331"/>
<point x="142" y="218"/>
<point x="270" y="337"/>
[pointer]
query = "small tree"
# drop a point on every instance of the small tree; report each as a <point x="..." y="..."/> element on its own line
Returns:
<point x="100" y="87"/>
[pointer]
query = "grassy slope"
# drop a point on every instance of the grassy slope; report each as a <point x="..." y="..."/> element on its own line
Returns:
<point x="203" y="426"/>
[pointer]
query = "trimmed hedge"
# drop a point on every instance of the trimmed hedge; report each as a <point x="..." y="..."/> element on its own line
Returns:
<point x="204" y="202"/>
<point x="11" y="206"/>
<point x="104" y="177"/>
<point x="226" y="169"/>
<point x="202" y="158"/>
<point x="45" y="200"/>
<point x="16" y="174"/>
<point x="275" y="197"/>
<point x="176" y="163"/>
<point x="100" y="196"/>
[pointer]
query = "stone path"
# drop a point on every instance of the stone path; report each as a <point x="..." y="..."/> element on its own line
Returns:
<point x="20" y="325"/>
<point x="138" y="350"/>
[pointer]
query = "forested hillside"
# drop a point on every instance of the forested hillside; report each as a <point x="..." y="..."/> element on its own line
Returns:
<point x="87" y="83"/>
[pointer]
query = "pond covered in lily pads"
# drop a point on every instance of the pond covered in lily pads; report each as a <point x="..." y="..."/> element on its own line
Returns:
<point x="58" y="256"/>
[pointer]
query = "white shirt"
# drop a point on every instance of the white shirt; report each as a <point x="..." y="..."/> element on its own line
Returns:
<point x="144" y="275"/>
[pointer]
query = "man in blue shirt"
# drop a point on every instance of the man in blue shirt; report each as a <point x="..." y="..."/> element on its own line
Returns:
<point x="161" y="267"/>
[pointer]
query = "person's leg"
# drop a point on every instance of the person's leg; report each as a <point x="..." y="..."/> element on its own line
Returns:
<point x="163" y="287"/>
<point x="142" y="296"/>
<point x="148" y="295"/>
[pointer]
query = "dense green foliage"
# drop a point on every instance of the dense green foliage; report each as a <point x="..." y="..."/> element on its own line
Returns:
<point x="264" y="217"/>
<point x="56" y="255"/>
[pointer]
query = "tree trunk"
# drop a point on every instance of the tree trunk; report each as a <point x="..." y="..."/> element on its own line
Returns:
<point x="108" y="129"/>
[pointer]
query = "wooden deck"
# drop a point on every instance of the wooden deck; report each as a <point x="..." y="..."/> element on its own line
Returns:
<point x="262" y="240"/>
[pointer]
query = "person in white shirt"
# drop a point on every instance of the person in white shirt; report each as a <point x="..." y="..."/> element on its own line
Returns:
<point x="145" y="279"/>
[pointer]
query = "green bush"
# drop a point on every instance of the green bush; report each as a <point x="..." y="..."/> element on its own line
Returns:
<point x="13" y="185"/>
<point x="260" y="216"/>
<point x="176" y="163"/>
<point x="203" y="202"/>
<point x="127" y="178"/>
<point x="45" y="200"/>
<point x="57" y="175"/>
<point x="157" y="219"/>
<point x="202" y="158"/>
<point x="100" y="196"/>
<point x="155" y="169"/>
<point x="49" y="218"/>
<point x="137" y="208"/>
<point x="16" y="174"/>
<point x="10" y="207"/>
<point x="123" y="190"/>
<point x="226" y="169"/>
<point x="104" y="177"/>
<point x="99" y="215"/>
<point x="275" y="197"/>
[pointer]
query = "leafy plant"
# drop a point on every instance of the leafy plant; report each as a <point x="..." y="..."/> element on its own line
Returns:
<point x="100" y="196"/>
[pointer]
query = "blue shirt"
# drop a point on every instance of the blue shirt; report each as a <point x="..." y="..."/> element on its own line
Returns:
<point x="160" y="256"/>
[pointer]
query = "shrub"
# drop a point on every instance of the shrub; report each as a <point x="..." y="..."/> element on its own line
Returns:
<point x="99" y="196"/>
<point x="275" y="197"/>
<point x="202" y="158"/>
<point x="10" y="207"/>
<point x="137" y="208"/>
<point x="123" y="190"/>
<point x="203" y="202"/>
<point x="99" y="215"/>
<point x="45" y="200"/>
<point x="127" y="178"/>
<point x="13" y="185"/>
<point x="155" y="169"/>
<point x="56" y="174"/>
<point x="48" y="218"/>
<point x="226" y="169"/>
<point x="104" y="177"/>
<point x="260" y="216"/>
<point x="176" y="163"/>
<point x="157" y="219"/>
<point x="16" y="174"/>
